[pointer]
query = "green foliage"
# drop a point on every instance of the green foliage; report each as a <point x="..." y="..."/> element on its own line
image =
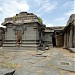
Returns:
<point x="40" y="20"/>
<point x="14" y="17"/>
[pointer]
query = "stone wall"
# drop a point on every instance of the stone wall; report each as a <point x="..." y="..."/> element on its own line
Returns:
<point x="48" y="38"/>
<point x="74" y="35"/>
<point x="2" y="36"/>
<point x="69" y="35"/>
<point x="59" y="40"/>
<point x="30" y="32"/>
<point x="10" y="33"/>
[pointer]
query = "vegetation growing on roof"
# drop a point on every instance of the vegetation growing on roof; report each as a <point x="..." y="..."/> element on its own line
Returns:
<point x="40" y="20"/>
<point x="14" y="17"/>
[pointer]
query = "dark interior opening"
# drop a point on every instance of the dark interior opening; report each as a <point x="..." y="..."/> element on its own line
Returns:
<point x="53" y="41"/>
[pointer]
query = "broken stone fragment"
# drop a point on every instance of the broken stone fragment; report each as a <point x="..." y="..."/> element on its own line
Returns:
<point x="10" y="73"/>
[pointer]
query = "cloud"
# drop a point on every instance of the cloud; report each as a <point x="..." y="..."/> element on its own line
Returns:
<point x="47" y="6"/>
<point x="11" y="7"/>
<point x="53" y="25"/>
<point x="74" y="6"/>
<point x="68" y="4"/>
<point x="69" y="13"/>
<point x="59" y="19"/>
<point x="50" y="25"/>
<point x="43" y="8"/>
<point x="64" y="18"/>
<point x="22" y="6"/>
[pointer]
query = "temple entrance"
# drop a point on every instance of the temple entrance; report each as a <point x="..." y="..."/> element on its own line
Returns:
<point x="18" y="38"/>
<point x="53" y="41"/>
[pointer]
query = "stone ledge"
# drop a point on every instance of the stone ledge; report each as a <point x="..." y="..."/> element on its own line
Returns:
<point x="72" y="49"/>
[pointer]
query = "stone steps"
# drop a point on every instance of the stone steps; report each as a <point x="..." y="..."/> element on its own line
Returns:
<point x="22" y="42"/>
<point x="29" y="45"/>
<point x="8" y="45"/>
<point x="23" y="46"/>
<point x="20" y="48"/>
<point x="9" y="42"/>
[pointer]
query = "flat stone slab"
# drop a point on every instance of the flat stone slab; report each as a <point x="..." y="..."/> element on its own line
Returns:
<point x="72" y="49"/>
<point x="4" y="71"/>
<point x="65" y="64"/>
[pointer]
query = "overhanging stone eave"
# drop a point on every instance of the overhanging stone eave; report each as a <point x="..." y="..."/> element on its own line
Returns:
<point x="5" y="23"/>
<point x="68" y="26"/>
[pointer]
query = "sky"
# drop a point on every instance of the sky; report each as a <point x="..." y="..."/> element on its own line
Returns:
<point x="52" y="12"/>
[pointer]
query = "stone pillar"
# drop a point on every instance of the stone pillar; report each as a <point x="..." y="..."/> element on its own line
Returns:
<point x="74" y="37"/>
<point x="65" y="40"/>
<point x="71" y="38"/>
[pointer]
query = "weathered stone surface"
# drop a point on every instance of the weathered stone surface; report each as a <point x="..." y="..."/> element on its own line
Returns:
<point x="29" y="64"/>
<point x="65" y="64"/>
<point x="72" y="49"/>
<point x="4" y="71"/>
<point x="69" y="33"/>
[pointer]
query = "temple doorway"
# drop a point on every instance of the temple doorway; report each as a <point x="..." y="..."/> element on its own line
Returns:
<point x="53" y="41"/>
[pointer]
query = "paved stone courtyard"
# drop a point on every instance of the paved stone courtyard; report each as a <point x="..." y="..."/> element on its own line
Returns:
<point x="34" y="62"/>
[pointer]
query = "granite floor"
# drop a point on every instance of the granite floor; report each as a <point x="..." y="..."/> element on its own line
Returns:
<point x="34" y="62"/>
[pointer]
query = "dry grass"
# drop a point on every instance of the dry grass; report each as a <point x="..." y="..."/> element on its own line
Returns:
<point x="6" y="60"/>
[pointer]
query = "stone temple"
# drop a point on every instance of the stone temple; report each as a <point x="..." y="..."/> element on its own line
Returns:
<point x="23" y="31"/>
<point x="27" y="31"/>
